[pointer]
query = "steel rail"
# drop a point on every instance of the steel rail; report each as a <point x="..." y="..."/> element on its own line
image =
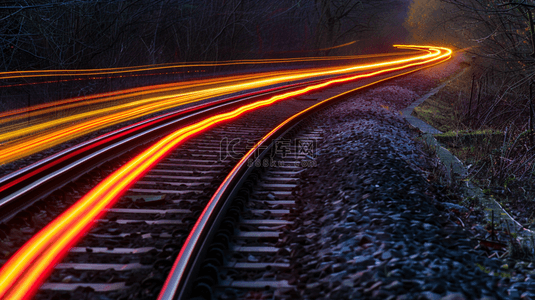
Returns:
<point x="25" y="181"/>
<point x="179" y="282"/>
<point x="37" y="256"/>
<point x="22" y="141"/>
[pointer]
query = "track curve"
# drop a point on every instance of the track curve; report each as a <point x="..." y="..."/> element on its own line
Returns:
<point x="19" y="282"/>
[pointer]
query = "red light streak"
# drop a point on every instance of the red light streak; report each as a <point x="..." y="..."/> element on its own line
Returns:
<point x="115" y="95"/>
<point x="22" y="141"/>
<point x="117" y="134"/>
<point x="84" y="98"/>
<point x="22" y="275"/>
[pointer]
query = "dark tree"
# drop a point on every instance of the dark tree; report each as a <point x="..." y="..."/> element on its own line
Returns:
<point x="59" y="34"/>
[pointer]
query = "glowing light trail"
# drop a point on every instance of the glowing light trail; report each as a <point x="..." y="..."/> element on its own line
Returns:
<point x="104" y="71"/>
<point x="22" y="275"/>
<point x="338" y="46"/>
<point x="20" y="140"/>
<point x="75" y="102"/>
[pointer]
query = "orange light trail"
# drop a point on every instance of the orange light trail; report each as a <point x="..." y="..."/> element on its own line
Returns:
<point x="338" y="46"/>
<point x="25" y="271"/>
<point x="104" y="71"/>
<point x="56" y="104"/>
<point x="111" y="96"/>
<point x="158" y="88"/>
<point x="21" y="140"/>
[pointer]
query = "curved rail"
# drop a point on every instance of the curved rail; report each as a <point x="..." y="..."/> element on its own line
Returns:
<point x="22" y="274"/>
<point x="26" y="182"/>
<point x="179" y="281"/>
<point x="29" y="133"/>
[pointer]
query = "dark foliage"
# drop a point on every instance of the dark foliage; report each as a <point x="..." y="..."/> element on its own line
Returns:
<point x="74" y="34"/>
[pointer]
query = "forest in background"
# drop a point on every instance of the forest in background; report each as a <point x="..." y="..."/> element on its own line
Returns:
<point x="78" y="34"/>
<point x="491" y="107"/>
<point x="498" y="36"/>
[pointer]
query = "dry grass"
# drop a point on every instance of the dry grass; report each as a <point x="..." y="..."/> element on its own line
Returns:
<point x="490" y="136"/>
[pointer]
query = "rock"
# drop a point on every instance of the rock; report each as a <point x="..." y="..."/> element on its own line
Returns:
<point x="454" y="296"/>
<point x="428" y="227"/>
<point x="373" y="287"/>
<point x="381" y="294"/>
<point x="387" y="255"/>
<point x="383" y="236"/>
<point x="16" y="234"/>
<point x="38" y="221"/>
<point x="4" y="253"/>
<point x="451" y="206"/>
<point x="430" y="296"/>
<point x="337" y="276"/>
<point x="339" y="267"/>
<point x="364" y="260"/>
<point x="352" y="219"/>
<point x="347" y="282"/>
<point x="480" y="230"/>
<point x="394" y="285"/>
<point x="364" y="220"/>
<point x="363" y="239"/>
<point x="513" y="293"/>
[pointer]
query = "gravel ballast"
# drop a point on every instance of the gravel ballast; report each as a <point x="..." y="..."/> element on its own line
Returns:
<point x="376" y="225"/>
<point x="373" y="220"/>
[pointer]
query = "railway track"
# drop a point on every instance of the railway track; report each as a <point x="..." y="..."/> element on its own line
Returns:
<point x="143" y="233"/>
<point x="153" y="218"/>
<point x="38" y="180"/>
<point x="241" y="246"/>
<point x="132" y="247"/>
<point x="253" y="250"/>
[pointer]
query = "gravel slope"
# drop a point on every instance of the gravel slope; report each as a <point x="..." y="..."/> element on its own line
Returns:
<point x="373" y="224"/>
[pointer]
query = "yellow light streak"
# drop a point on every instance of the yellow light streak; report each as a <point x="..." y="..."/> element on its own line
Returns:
<point x="22" y="275"/>
<point x="105" y="71"/>
<point x="22" y="139"/>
